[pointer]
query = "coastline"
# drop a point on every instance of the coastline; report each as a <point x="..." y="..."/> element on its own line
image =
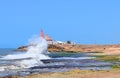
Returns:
<point x="79" y="74"/>
<point x="76" y="73"/>
<point x="102" y="53"/>
<point x="105" y="49"/>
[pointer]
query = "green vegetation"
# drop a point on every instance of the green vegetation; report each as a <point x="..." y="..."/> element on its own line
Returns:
<point x="66" y="54"/>
<point x="68" y="42"/>
<point x="115" y="67"/>
<point x="98" y="52"/>
<point x="61" y="54"/>
<point x="109" y="58"/>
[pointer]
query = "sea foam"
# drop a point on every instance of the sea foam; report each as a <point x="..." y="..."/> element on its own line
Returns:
<point x="31" y="58"/>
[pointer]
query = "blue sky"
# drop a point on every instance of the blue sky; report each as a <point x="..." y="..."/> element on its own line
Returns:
<point x="80" y="21"/>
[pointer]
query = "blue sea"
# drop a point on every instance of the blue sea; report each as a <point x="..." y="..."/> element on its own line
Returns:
<point x="58" y="62"/>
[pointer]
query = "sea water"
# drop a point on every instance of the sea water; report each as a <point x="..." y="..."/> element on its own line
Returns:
<point x="38" y="60"/>
<point x="31" y="58"/>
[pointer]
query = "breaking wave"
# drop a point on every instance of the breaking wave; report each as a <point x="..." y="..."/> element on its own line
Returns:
<point x="31" y="58"/>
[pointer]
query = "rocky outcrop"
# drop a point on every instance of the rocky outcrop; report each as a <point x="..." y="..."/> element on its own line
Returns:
<point x="114" y="49"/>
<point x="22" y="48"/>
<point x="55" y="48"/>
<point x="51" y="48"/>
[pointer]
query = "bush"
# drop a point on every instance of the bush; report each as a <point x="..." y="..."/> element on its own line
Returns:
<point x="68" y="42"/>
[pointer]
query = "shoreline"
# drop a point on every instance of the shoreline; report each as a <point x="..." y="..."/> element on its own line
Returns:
<point x="102" y="53"/>
<point x="75" y="73"/>
<point x="113" y="72"/>
<point x="105" y="49"/>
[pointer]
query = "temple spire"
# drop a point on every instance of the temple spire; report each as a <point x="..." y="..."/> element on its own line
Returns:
<point x="42" y="34"/>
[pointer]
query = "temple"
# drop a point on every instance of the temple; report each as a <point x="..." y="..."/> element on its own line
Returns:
<point x="42" y="34"/>
<point x="48" y="38"/>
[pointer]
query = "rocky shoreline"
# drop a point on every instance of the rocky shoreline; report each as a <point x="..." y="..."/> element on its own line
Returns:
<point x="106" y="49"/>
<point x="76" y="73"/>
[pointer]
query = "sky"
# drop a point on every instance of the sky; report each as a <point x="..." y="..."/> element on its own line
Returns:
<point x="80" y="21"/>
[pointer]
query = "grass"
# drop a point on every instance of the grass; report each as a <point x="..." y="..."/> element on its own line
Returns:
<point x="115" y="67"/>
<point x="109" y="58"/>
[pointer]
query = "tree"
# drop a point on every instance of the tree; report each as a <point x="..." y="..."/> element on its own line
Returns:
<point x="68" y="42"/>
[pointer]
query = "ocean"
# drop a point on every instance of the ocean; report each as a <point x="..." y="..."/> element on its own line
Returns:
<point x="58" y="62"/>
<point x="38" y="60"/>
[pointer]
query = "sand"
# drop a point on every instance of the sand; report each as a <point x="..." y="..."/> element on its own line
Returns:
<point x="114" y="73"/>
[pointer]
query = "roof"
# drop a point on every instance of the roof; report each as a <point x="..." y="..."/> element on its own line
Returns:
<point x="48" y="38"/>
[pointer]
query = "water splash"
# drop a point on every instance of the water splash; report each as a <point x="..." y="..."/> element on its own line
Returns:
<point x="31" y="58"/>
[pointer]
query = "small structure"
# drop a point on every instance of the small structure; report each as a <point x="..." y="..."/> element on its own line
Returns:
<point x="50" y="40"/>
<point x="42" y="34"/>
<point x="46" y="37"/>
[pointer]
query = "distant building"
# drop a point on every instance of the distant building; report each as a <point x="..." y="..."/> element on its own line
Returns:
<point x="42" y="34"/>
<point x="49" y="39"/>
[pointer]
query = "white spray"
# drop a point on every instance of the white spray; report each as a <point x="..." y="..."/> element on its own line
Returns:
<point x="35" y="53"/>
